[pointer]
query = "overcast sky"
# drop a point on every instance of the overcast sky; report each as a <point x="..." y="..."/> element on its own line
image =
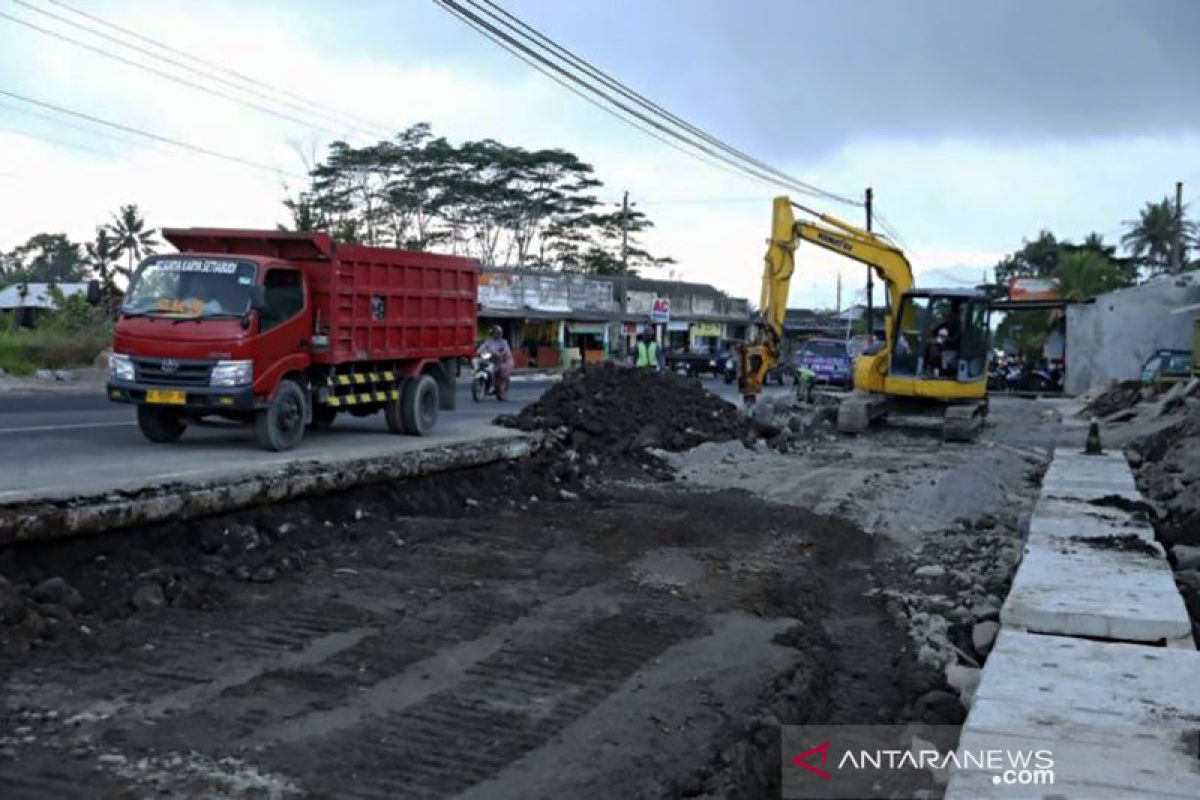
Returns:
<point x="977" y="123"/>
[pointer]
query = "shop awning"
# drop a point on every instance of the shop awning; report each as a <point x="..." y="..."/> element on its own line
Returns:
<point x="586" y="327"/>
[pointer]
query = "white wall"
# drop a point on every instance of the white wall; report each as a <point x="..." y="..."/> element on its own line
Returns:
<point x="1112" y="337"/>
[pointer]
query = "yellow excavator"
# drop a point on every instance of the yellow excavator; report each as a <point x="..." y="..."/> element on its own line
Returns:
<point x="935" y="349"/>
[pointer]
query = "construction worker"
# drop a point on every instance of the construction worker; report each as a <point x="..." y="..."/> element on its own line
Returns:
<point x="646" y="352"/>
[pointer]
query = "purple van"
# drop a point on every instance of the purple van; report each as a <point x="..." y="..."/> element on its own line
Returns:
<point x="830" y="359"/>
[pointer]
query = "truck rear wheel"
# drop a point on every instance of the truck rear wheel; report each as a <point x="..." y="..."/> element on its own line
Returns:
<point x="392" y="409"/>
<point x="419" y="405"/>
<point x="280" y="426"/>
<point x="159" y="425"/>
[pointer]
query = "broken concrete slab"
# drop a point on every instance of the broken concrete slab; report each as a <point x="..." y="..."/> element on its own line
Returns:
<point x="1111" y="714"/>
<point x="43" y="519"/>
<point x="1073" y="588"/>
<point x="1056" y="516"/>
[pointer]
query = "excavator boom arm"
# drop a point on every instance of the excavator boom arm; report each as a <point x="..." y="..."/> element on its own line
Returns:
<point x="779" y="264"/>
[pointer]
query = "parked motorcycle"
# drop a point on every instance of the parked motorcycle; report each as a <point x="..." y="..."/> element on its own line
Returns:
<point x="486" y="379"/>
<point x="1014" y="377"/>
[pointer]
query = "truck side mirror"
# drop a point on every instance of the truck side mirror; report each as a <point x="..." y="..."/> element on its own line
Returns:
<point x="258" y="297"/>
<point x="93" y="293"/>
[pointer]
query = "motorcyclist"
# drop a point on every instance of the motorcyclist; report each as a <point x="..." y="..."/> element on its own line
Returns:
<point x="497" y="345"/>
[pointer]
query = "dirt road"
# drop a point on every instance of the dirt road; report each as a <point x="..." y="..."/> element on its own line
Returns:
<point x="488" y="635"/>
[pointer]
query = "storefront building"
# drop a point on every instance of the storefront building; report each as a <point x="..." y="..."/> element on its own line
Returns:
<point x="562" y="319"/>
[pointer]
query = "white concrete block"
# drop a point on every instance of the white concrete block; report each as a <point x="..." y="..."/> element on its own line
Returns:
<point x="1073" y="473"/>
<point x="1113" y="715"/>
<point x="1073" y="589"/>
<point x="1128" y="684"/>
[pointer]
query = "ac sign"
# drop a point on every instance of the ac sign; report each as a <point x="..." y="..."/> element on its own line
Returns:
<point x="660" y="311"/>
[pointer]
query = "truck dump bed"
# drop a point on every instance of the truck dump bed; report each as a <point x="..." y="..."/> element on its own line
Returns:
<point x="374" y="303"/>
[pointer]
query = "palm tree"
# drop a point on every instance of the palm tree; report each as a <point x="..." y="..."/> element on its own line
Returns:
<point x="133" y="240"/>
<point x="1151" y="238"/>
<point x="1083" y="274"/>
<point x="100" y="254"/>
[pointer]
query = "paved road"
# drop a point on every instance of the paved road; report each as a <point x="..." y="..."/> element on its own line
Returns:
<point x="79" y="443"/>
<point x="61" y="444"/>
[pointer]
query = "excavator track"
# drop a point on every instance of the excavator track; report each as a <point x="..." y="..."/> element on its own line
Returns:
<point x="962" y="423"/>
<point x="858" y="411"/>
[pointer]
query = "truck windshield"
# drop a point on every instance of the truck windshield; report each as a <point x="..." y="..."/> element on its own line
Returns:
<point x="191" y="287"/>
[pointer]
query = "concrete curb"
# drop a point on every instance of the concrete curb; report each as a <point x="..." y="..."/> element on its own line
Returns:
<point x="41" y="520"/>
<point x="1111" y="713"/>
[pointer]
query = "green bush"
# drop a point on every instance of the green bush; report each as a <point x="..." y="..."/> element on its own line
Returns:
<point x="24" y="351"/>
<point x="71" y="336"/>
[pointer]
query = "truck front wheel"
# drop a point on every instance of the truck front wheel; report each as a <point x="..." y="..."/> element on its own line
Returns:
<point x="419" y="405"/>
<point x="159" y="425"/>
<point x="280" y="426"/>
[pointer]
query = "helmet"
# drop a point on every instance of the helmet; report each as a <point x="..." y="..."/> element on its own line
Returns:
<point x="496" y="331"/>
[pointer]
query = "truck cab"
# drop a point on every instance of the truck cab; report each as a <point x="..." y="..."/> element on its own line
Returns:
<point x="207" y="334"/>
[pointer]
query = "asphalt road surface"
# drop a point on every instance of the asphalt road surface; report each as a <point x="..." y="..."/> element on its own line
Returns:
<point x="62" y="444"/>
<point x="72" y="443"/>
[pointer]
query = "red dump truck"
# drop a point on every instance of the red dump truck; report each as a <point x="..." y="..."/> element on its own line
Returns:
<point x="285" y="330"/>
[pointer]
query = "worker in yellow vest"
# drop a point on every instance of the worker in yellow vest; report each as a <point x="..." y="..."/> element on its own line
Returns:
<point x="646" y="352"/>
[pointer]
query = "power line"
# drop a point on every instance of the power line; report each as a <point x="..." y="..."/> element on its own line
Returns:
<point x="166" y="75"/>
<point x="148" y="135"/>
<point x="623" y="89"/>
<point x="204" y="74"/>
<point x="67" y="123"/>
<point x="890" y="231"/>
<point x="706" y="201"/>
<point x="573" y="90"/>
<point x="344" y="115"/>
<point x="56" y="141"/>
<point x="483" y="26"/>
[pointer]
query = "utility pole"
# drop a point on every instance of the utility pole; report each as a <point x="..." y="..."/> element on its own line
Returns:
<point x="1177" y="250"/>
<point x="870" y="279"/>
<point x="838" y="307"/>
<point x="625" y="233"/>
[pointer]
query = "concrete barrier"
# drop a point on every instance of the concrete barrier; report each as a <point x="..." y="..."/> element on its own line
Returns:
<point x="44" y="519"/>
<point x="1115" y="716"/>
<point x="1114" y="719"/>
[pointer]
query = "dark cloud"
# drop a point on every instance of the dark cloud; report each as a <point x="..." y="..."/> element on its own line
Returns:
<point x="787" y="77"/>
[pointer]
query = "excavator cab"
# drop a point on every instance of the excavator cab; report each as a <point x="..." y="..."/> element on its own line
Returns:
<point x="942" y="336"/>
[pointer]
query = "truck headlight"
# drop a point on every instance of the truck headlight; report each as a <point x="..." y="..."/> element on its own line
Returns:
<point x="120" y="367"/>
<point x="232" y="373"/>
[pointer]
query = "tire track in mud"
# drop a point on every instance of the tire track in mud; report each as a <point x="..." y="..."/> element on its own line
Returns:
<point x="507" y="705"/>
<point x="336" y="675"/>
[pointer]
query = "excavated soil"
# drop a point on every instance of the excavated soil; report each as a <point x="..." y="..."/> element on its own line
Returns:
<point x="450" y="635"/>
<point x="1119" y="397"/>
<point x="603" y="419"/>
<point x="1169" y="476"/>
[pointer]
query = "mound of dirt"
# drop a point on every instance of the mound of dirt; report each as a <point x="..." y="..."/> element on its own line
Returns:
<point x="1118" y="397"/>
<point x="1170" y="477"/>
<point x="612" y="415"/>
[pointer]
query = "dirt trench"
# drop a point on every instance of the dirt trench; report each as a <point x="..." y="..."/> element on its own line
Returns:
<point x="446" y="636"/>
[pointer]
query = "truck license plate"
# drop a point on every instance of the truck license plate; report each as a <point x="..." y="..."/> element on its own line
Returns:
<point x="166" y="397"/>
